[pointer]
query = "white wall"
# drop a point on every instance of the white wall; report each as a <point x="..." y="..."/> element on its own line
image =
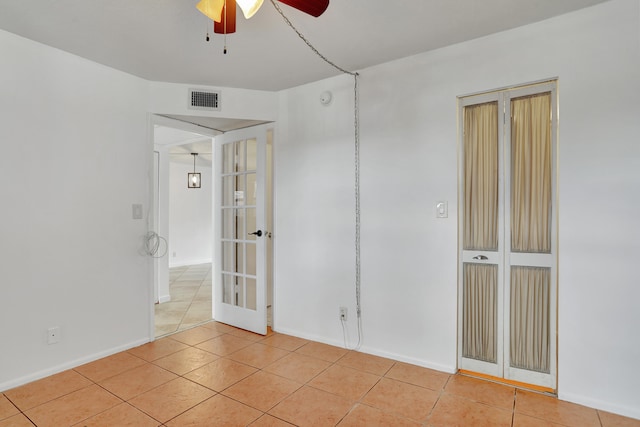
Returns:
<point x="74" y="159"/>
<point x="190" y="232"/>
<point x="409" y="162"/>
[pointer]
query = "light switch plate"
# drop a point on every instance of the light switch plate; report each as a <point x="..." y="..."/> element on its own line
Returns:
<point x="442" y="210"/>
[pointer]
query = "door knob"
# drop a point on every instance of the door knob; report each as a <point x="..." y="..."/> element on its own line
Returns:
<point x="257" y="233"/>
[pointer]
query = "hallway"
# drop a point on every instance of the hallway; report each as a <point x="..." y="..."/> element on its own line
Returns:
<point x="190" y="305"/>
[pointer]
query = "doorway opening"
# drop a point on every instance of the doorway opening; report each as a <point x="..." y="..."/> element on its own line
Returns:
<point x="184" y="219"/>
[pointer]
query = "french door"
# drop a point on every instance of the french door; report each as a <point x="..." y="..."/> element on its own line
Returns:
<point x="240" y="236"/>
<point x="508" y="238"/>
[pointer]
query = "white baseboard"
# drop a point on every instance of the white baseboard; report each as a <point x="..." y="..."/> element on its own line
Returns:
<point x="7" y="385"/>
<point x="375" y="352"/>
<point x="164" y="298"/>
<point x="410" y="360"/>
<point x="614" y="408"/>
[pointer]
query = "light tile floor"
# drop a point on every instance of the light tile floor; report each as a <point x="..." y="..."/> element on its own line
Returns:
<point x="190" y="305"/>
<point x="216" y="375"/>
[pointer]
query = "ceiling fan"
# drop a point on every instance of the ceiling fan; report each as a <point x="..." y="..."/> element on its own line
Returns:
<point x="223" y="12"/>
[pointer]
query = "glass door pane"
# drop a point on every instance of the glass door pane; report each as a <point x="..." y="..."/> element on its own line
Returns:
<point x="530" y="335"/>
<point x="480" y="312"/>
<point x="238" y="216"/>
<point x="234" y="223"/>
<point x="531" y="174"/>
<point x="481" y="177"/>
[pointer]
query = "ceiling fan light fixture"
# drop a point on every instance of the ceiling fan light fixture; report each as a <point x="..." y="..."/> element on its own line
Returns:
<point x="211" y="9"/>
<point x="249" y="7"/>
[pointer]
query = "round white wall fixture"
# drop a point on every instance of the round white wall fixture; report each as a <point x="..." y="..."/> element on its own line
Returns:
<point x="325" y="97"/>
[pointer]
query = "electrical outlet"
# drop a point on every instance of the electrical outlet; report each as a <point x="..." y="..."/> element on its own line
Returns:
<point x="53" y="335"/>
<point x="343" y="314"/>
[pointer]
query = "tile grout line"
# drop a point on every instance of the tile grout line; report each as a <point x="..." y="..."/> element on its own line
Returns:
<point x="20" y="411"/>
<point x="440" y="393"/>
<point x="513" y="408"/>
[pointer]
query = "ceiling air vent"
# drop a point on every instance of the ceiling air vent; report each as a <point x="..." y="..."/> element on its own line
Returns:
<point x="204" y="100"/>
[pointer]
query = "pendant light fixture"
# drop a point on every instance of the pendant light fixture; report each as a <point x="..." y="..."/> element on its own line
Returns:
<point x="193" y="178"/>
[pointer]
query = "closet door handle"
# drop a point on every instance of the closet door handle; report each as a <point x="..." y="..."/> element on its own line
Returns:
<point x="480" y="257"/>
<point x="257" y="233"/>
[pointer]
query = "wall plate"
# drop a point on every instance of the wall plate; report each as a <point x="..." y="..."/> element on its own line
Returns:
<point x="442" y="209"/>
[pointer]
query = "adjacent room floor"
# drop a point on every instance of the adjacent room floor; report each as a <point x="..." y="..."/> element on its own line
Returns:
<point x="216" y="375"/>
<point x="190" y="304"/>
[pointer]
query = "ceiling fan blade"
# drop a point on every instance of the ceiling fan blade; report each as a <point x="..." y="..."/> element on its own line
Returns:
<point x="312" y="7"/>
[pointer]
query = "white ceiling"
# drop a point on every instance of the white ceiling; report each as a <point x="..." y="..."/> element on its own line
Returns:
<point x="180" y="144"/>
<point x="217" y="124"/>
<point x="164" y="40"/>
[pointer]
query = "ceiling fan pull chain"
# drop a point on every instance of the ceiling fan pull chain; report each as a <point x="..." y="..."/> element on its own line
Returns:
<point x="308" y="43"/>
<point x="356" y="137"/>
